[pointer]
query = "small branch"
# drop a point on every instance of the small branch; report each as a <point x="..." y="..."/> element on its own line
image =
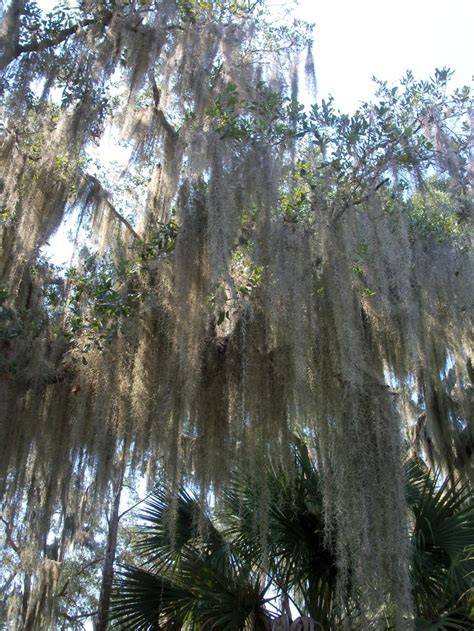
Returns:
<point x="380" y="184"/>
<point x="363" y="199"/>
<point x="9" y="539"/>
<point x="136" y="504"/>
<point x="155" y="91"/>
<point x="78" y="573"/>
<point x="89" y="614"/>
<point x="6" y="586"/>
<point x="360" y="200"/>
<point x="252" y="7"/>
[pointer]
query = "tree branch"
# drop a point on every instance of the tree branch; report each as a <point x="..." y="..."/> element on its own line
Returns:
<point x="359" y="200"/>
<point x="78" y="573"/>
<point x="122" y="220"/>
<point x="170" y="130"/>
<point x="37" y="46"/>
<point x="9" y="539"/>
<point x="136" y="504"/>
<point x="6" y="586"/>
<point x="99" y="189"/>
<point x="13" y="51"/>
<point x="89" y="614"/>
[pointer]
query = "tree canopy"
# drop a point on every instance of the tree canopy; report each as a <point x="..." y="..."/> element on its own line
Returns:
<point x="258" y="268"/>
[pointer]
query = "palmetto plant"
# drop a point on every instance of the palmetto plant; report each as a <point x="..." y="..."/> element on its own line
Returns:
<point x="264" y="548"/>
<point x="192" y="578"/>
<point x="443" y="549"/>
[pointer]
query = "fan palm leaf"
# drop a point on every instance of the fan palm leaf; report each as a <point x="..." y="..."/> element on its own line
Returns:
<point x="443" y="545"/>
<point x="267" y="545"/>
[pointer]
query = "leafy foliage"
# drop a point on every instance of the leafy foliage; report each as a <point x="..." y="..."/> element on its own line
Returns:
<point x="255" y="268"/>
<point x="443" y="562"/>
<point x="202" y="572"/>
<point x="194" y="576"/>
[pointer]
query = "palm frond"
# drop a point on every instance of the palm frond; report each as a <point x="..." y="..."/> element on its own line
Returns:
<point x="442" y="538"/>
<point x="173" y="521"/>
<point x="294" y="552"/>
<point x="144" y="601"/>
<point x="206" y="572"/>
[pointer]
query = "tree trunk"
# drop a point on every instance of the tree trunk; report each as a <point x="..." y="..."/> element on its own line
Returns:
<point x="108" y="569"/>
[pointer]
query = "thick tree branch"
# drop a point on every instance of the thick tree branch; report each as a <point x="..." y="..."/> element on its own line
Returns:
<point x="10" y="32"/>
<point x="36" y="46"/>
<point x="13" y="51"/>
<point x="170" y="130"/>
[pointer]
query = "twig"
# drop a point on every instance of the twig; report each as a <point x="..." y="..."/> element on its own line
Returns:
<point x="89" y="614"/>
<point x="78" y="573"/>
<point x="359" y="200"/>
<point x="136" y="504"/>
<point x="10" y="541"/>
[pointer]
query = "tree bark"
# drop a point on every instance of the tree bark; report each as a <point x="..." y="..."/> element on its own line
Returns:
<point x="108" y="569"/>
<point x="10" y="32"/>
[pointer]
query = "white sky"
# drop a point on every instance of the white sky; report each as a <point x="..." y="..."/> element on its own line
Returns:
<point x="356" y="39"/>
